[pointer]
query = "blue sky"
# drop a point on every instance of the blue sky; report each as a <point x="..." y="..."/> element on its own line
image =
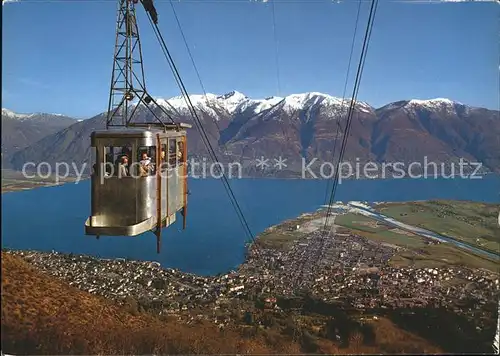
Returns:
<point x="57" y="55"/>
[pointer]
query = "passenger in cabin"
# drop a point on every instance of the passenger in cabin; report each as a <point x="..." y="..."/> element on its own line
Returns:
<point x="180" y="151"/>
<point x="123" y="168"/>
<point x="146" y="168"/>
<point x="145" y="160"/>
<point x="125" y="152"/>
<point x="163" y="159"/>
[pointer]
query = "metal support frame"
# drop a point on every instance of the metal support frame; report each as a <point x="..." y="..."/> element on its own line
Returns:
<point x="127" y="79"/>
<point x="124" y="80"/>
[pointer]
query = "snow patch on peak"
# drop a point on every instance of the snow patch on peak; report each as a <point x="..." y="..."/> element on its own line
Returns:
<point x="203" y="103"/>
<point x="12" y="115"/>
<point x="179" y="102"/>
<point x="230" y="101"/>
<point x="258" y="105"/>
<point x="437" y="104"/>
<point x="208" y="102"/>
<point x="233" y="102"/>
<point x="236" y="102"/>
<point x="196" y="99"/>
<point x="301" y="101"/>
<point x="233" y="96"/>
<point x="433" y="102"/>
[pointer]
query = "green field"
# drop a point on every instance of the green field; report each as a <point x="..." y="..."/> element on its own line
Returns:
<point x="375" y="230"/>
<point x="471" y="222"/>
<point x="415" y="251"/>
<point x="459" y="220"/>
<point x="443" y="255"/>
<point x="281" y="237"/>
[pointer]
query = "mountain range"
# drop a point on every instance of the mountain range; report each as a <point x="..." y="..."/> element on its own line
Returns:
<point x="300" y="128"/>
<point x="22" y="130"/>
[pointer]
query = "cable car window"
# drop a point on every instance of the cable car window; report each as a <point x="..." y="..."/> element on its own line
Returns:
<point x="180" y="151"/>
<point x="172" y="152"/>
<point x="126" y="151"/>
<point x="146" y="156"/>
<point x="114" y="158"/>
<point x="109" y="152"/>
<point x="163" y="157"/>
<point x="164" y="153"/>
<point x="123" y="160"/>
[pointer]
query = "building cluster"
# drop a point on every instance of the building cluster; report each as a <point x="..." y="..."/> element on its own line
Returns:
<point x="354" y="271"/>
<point x="338" y="268"/>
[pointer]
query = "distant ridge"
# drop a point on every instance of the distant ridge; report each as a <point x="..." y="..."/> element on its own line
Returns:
<point x="22" y="130"/>
<point x="303" y="127"/>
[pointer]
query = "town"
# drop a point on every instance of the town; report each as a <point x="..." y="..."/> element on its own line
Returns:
<point x="337" y="268"/>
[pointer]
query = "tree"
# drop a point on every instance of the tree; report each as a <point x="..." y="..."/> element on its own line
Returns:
<point x="249" y="318"/>
<point x="269" y="320"/>
<point x="309" y="342"/>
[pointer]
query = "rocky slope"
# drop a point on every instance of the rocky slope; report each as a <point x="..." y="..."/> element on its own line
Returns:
<point x="45" y="315"/>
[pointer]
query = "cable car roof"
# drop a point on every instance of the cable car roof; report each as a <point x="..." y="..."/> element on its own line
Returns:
<point x="137" y="132"/>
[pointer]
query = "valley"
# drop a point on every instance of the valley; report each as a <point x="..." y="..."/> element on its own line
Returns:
<point x="250" y="177"/>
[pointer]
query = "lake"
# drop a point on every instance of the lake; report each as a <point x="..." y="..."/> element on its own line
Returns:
<point x="53" y="218"/>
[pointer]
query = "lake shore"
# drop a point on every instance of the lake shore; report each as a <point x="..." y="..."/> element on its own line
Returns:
<point x="360" y="272"/>
<point x="480" y="219"/>
<point x="15" y="181"/>
<point x="358" y="276"/>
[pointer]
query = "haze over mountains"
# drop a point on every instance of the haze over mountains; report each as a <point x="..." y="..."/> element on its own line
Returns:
<point x="300" y="126"/>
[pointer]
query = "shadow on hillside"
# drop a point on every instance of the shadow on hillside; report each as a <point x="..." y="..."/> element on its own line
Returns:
<point x="341" y="327"/>
<point x="453" y="332"/>
<point x="446" y="329"/>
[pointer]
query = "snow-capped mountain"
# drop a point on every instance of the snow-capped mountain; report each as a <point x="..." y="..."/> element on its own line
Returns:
<point x="435" y="104"/>
<point x="9" y="114"/>
<point x="417" y="104"/>
<point x="307" y="125"/>
<point x="6" y="113"/>
<point x="256" y="106"/>
<point x="232" y="100"/>
<point x="22" y="130"/>
<point x="314" y="99"/>
<point x="234" y="103"/>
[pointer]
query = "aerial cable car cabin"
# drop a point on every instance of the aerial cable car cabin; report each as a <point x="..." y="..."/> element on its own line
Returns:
<point x="139" y="170"/>
<point x="141" y="199"/>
